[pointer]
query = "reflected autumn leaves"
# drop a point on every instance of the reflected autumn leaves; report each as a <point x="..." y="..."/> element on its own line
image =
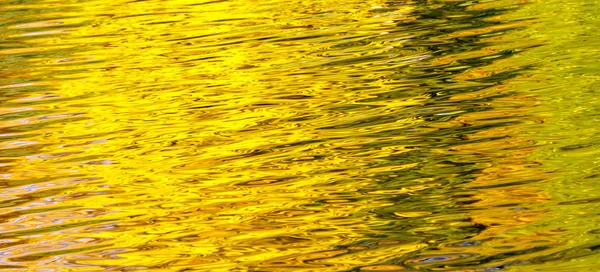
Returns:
<point x="304" y="135"/>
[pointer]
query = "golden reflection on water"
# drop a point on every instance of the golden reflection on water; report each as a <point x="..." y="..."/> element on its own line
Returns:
<point x="271" y="136"/>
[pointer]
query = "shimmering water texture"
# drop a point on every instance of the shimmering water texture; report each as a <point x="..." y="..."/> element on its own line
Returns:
<point x="310" y="135"/>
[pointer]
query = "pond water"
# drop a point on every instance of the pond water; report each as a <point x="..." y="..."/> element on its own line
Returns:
<point x="311" y="135"/>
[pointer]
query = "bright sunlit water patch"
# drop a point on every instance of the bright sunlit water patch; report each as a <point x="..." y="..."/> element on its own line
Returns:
<point x="299" y="135"/>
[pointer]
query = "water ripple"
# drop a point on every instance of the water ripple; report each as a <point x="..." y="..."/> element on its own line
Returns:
<point x="303" y="135"/>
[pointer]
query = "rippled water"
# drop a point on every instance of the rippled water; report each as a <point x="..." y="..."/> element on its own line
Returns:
<point x="299" y="135"/>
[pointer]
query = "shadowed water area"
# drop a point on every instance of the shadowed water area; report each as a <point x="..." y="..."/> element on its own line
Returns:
<point x="308" y="135"/>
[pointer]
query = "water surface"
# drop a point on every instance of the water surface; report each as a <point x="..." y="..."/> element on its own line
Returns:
<point x="299" y="135"/>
